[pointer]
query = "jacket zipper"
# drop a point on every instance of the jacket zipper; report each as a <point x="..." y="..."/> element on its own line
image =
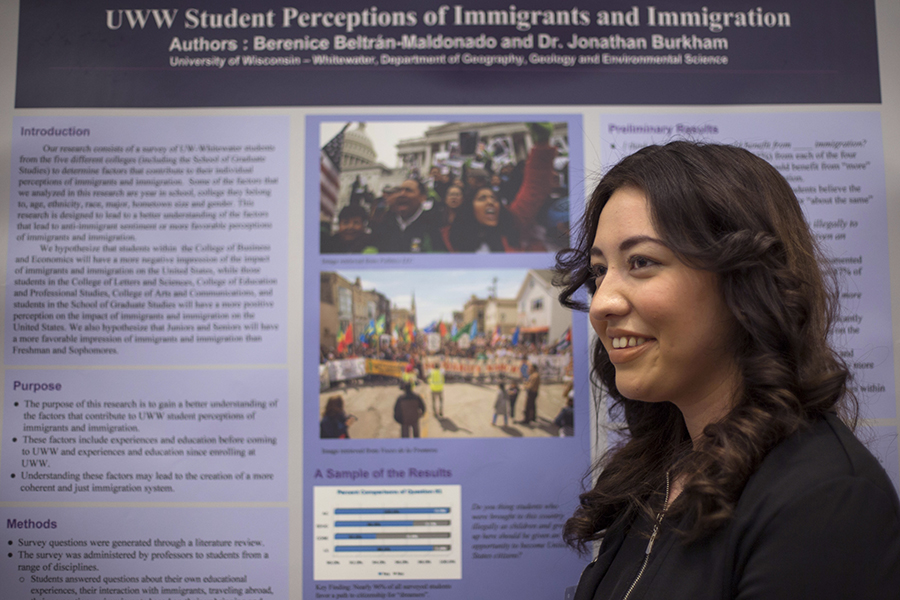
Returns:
<point x="653" y="534"/>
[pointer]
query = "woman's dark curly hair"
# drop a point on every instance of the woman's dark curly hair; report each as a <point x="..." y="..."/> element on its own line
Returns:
<point x="724" y="210"/>
<point x="334" y="408"/>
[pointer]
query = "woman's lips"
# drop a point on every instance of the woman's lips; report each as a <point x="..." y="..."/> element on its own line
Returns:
<point x="627" y="341"/>
<point x="622" y="349"/>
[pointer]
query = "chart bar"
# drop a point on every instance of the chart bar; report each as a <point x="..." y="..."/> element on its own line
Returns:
<point x="392" y="536"/>
<point x="390" y="523"/>
<point x="420" y="510"/>
<point x="401" y="548"/>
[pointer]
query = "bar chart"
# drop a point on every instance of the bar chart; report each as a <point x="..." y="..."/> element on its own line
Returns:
<point x="387" y="532"/>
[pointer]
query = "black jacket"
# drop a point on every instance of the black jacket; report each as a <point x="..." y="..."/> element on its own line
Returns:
<point x="820" y="520"/>
<point x="409" y="408"/>
<point x="422" y="235"/>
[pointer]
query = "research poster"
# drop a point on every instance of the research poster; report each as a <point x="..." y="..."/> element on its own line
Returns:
<point x="444" y="358"/>
<point x="279" y="315"/>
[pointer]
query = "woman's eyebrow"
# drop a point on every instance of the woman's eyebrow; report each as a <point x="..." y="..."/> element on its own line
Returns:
<point x="629" y="243"/>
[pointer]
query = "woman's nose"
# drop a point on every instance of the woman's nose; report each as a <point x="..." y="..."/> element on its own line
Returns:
<point x="610" y="299"/>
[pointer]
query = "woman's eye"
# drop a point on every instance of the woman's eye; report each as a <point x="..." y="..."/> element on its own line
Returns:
<point x="596" y="273"/>
<point x="641" y="262"/>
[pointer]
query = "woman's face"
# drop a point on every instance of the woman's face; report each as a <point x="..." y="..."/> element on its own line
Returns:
<point x="664" y="324"/>
<point x="454" y="197"/>
<point x="487" y="208"/>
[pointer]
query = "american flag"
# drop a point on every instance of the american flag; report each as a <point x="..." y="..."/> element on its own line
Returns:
<point x="330" y="174"/>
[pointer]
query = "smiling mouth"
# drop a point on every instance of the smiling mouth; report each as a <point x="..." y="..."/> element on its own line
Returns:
<point x="627" y="341"/>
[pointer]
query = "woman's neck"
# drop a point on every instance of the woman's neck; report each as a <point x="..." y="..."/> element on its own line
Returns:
<point x="715" y="406"/>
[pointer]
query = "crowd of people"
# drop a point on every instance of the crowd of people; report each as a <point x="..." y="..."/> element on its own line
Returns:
<point x="482" y="206"/>
<point x="404" y="350"/>
<point x="480" y="365"/>
<point x="410" y="406"/>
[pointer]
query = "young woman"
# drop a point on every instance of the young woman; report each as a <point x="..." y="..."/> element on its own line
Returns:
<point x="335" y="422"/>
<point x="736" y="478"/>
<point x="452" y="200"/>
<point x="482" y="224"/>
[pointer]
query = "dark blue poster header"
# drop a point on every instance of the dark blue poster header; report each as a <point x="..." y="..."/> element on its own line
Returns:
<point x="184" y="54"/>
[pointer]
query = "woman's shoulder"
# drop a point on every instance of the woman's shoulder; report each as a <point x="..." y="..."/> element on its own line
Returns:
<point x="820" y="518"/>
<point x="819" y="475"/>
<point x="819" y="452"/>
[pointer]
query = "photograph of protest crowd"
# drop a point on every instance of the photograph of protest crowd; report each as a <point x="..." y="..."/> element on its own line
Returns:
<point x="444" y="353"/>
<point x="421" y="187"/>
